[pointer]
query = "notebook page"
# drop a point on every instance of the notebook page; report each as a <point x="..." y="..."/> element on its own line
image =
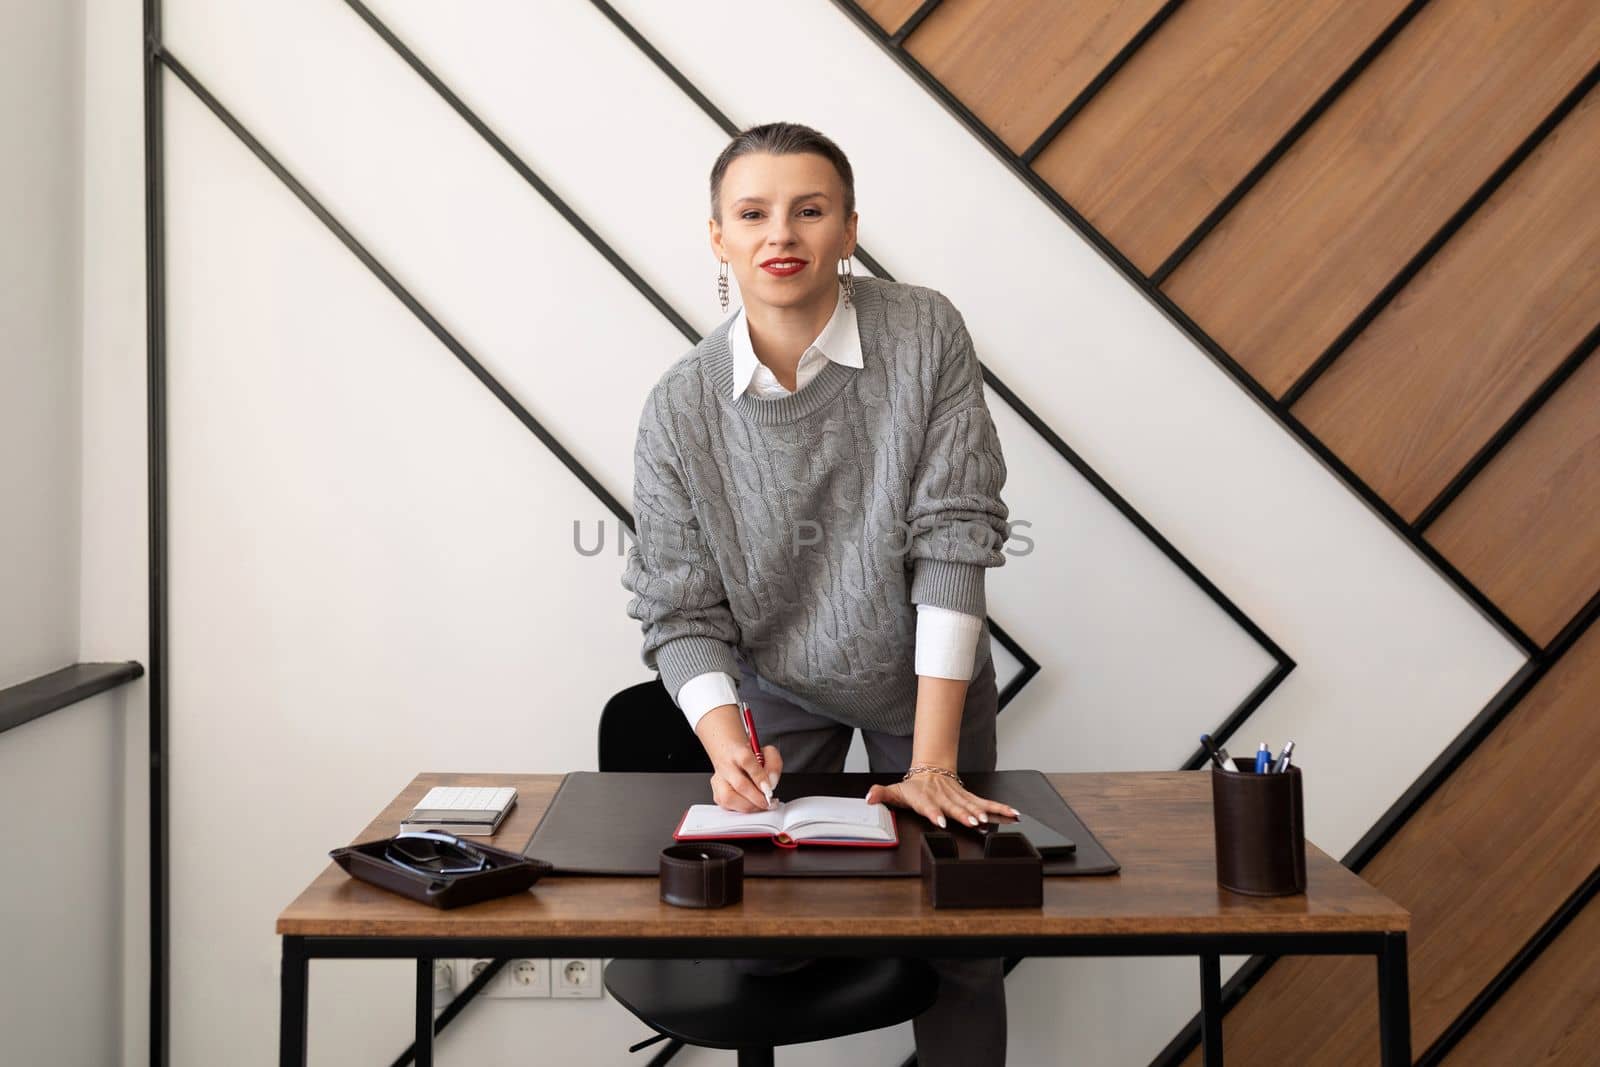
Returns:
<point x="835" y="817"/>
<point x="710" y="819"/>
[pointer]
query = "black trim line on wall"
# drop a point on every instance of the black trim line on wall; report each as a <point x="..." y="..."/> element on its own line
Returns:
<point x="1163" y="303"/>
<point x="160" y="1014"/>
<point x="38" y="697"/>
<point x="526" y="172"/>
<point x="390" y="282"/>
<point x="909" y="26"/>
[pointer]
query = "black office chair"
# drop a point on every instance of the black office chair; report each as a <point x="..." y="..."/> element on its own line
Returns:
<point x="708" y="1002"/>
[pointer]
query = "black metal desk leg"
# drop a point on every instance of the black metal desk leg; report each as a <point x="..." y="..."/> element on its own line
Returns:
<point x="293" y="976"/>
<point x="1394" y="1003"/>
<point x="1211" y="1009"/>
<point x="424" y="1045"/>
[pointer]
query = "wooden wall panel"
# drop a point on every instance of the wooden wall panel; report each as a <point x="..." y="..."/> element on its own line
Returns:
<point x="1197" y="106"/>
<point x="1527" y="530"/>
<point x="1017" y="64"/>
<point x="1400" y="150"/>
<point x="1551" y="1016"/>
<point x="1434" y="376"/>
<point x="1481" y="865"/>
<point x="891" y="14"/>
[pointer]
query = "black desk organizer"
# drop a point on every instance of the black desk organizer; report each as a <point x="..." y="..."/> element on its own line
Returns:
<point x="1009" y="874"/>
<point x="508" y="873"/>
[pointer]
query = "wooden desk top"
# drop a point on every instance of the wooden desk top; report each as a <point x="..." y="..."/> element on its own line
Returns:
<point x="1156" y="823"/>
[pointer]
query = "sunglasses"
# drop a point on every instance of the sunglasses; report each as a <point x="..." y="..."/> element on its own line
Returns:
<point x="433" y="852"/>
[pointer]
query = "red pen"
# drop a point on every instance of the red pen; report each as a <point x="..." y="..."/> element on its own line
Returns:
<point x="755" y="745"/>
<point x="750" y="732"/>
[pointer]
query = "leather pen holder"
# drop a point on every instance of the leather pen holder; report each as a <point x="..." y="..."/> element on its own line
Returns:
<point x="707" y="874"/>
<point x="1260" y="829"/>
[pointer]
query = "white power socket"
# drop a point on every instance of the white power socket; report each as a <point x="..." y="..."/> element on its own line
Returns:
<point x="443" y="983"/>
<point x="575" y="978"/>
<point x="518" y="979"/>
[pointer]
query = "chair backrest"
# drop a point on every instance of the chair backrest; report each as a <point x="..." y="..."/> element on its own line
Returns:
<point x="641" y="729"/>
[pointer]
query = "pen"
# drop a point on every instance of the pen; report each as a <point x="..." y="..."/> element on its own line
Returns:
<point x="1218" y="753"/>
<point x="1283" y="757"/>
<point x="755" y="745"/>
<point x="750" y="732"/>
<point x="1263" y="758"/>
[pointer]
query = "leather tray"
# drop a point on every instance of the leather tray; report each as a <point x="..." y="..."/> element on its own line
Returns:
<point x="618" y="822"/>
<point x="506" y="874"/>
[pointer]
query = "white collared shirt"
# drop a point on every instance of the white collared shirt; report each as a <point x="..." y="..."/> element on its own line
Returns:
<point x="947" y="640"/>
<point x="839" y="341"/>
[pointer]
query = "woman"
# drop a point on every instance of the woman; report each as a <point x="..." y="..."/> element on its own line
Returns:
<point x="815" y="466"/>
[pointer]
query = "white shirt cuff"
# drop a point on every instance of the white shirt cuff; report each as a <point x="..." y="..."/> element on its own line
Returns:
<point x="947" y="642"/>
<point x="703" y="692"/>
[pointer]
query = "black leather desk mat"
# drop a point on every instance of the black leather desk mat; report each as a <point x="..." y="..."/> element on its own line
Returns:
<point x="618" y="823"/>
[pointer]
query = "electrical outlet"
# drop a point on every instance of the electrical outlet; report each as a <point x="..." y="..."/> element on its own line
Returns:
<point x="524" y="978"/>
<point x="443" y="983"/>
<point x="518" y="979"/>
<point x="466" y="971"/>
<point x="575" y="978"/>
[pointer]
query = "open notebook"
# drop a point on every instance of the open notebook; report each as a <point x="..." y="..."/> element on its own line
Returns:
<point x="790" y="823"/>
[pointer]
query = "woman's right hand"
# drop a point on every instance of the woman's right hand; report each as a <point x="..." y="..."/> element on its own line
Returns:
<point x="737" y="775"/>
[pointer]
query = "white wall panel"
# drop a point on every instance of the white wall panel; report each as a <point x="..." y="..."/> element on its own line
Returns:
<point x="372" y="575"/>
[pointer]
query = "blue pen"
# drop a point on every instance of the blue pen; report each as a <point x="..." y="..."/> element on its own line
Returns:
<point x="1263" y="759"/>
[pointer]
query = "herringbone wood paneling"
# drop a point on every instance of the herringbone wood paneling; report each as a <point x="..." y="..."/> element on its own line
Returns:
<point x="1195" y="108"/>
<point x="1434" y="376"/>
<point x="1400" y="151"/>
<point x="1016" y="63"/>
<point x="891" y="14"/>
<point x="1551" y="1016"/>
<point x="1527" y="530"/>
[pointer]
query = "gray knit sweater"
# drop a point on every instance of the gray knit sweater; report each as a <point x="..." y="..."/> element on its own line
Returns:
<point x="803" y="530"/>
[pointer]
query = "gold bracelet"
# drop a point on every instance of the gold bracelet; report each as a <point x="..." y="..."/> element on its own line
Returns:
<point x="921" y="768"/>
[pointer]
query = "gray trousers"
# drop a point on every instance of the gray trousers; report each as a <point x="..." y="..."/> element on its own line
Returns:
<point x="966" y="1025"/>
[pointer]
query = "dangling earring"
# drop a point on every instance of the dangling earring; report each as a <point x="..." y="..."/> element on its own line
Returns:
<point x="722" y="284"/>
<point x="847" y="280"/>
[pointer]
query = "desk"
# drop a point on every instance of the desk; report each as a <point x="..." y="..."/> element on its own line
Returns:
<point x="1164" y="902"/>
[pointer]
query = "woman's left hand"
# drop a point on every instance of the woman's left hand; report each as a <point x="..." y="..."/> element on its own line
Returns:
<point x="934" y="796"/>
